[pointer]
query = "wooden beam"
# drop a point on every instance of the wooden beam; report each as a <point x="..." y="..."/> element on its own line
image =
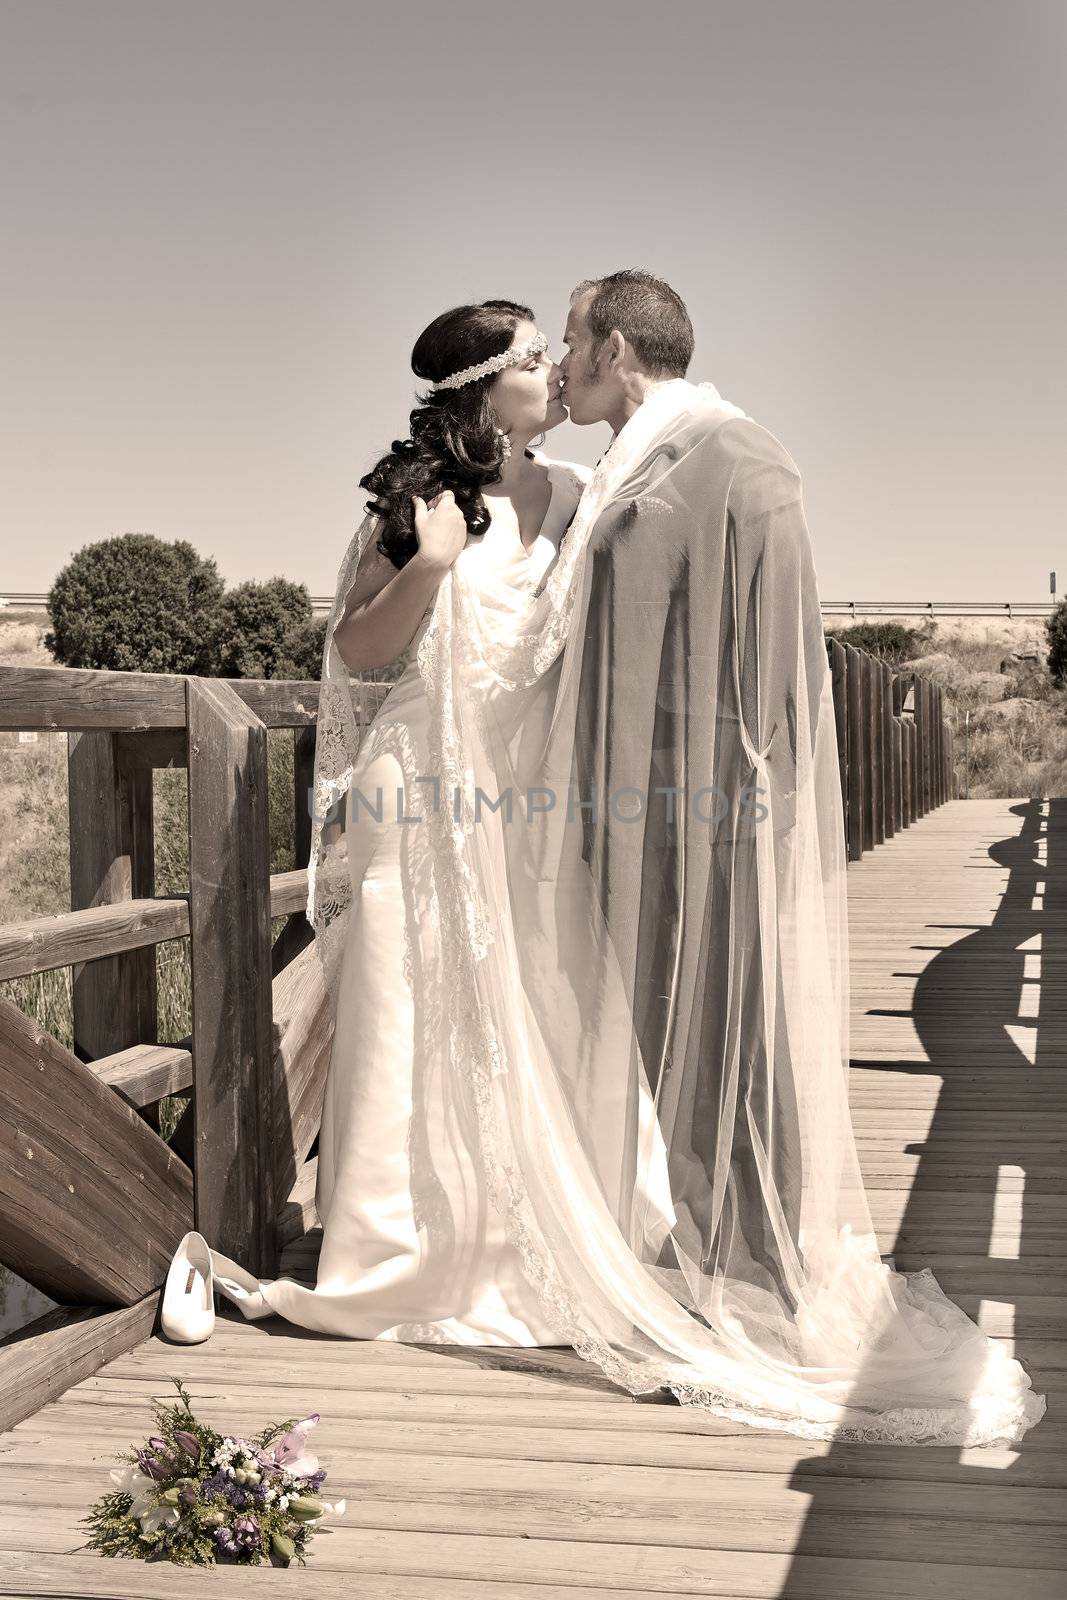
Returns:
<point x="303" y="1027"/>
<point x="41" y="1361"/>
<point x="157" y="747"/>
<point x="92" y="1202"/>
<point x="857" y="765"/>
<point x="70" y="699"/>
<point x="43" y="943"/>
<point x="111" y="862"/>
<point x="144" y="1073"/>
<point x="839" y="688"/>
<point x="230" y="910"/>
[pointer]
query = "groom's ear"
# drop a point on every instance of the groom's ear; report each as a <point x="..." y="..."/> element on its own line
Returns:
<point x="615" y="348"/>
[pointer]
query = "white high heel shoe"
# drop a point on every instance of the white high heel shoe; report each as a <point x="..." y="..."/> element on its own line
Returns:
<point x="187" y="1310"/>
<point x="240" y="1287"/>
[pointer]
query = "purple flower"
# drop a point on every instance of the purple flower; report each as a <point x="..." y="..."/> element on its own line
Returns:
<point x="246" y="1532"/>
<point x="152" y="1466"/>
<point x="290" y="1450"/>
<point x="188" y="1494"/>
<point x="189" y="1443"/>
<point x="225" y="1540"/>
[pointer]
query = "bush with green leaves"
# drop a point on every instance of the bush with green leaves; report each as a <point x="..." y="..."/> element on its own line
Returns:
<point x="135" y="603"/>
<point x="886" y="641"/>
<point x="269" y="632"/>
<point x="1056" y="630"/>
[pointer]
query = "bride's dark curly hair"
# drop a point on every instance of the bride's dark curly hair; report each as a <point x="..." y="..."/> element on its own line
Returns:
<point x="453" y="442"/>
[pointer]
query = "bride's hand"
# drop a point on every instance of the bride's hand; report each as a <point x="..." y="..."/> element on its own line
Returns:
<point x="441" y="529"/>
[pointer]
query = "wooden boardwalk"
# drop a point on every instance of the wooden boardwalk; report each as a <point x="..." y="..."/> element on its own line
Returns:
<point x="479" y="1475"/>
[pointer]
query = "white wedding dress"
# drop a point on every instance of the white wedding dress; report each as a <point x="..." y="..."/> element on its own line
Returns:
<point x="413" y="1248"/>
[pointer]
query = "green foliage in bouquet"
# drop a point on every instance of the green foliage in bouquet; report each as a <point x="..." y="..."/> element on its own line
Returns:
<point x="197" y="1497"/>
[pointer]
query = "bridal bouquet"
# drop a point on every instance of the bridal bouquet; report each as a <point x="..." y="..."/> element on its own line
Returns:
<point x="197" y="1497"/>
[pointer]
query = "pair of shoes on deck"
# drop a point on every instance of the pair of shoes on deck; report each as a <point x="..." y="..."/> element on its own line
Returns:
<point x="196" y="1274"/>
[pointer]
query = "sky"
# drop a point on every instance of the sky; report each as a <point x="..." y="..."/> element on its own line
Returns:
<point x="226" y="223"/>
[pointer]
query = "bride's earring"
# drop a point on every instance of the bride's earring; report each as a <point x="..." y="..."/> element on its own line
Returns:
<point x="535" y="444"/>
<point x="505" y="443"/>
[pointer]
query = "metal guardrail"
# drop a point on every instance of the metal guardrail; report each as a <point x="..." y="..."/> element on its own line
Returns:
<point x="320" y="606"/>
<point x="938" y="608"/>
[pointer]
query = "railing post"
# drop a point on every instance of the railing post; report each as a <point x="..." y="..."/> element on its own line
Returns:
<point x="839" y="686"/>
<point x="111" y="859"/>
<point x="921" y="724"/>
<point x="895" y="730"/>
<point x="888" y="749"/>
<point x="878" y="748"/>
<point x="229" y="922"/>
<point x="857" y="769"/>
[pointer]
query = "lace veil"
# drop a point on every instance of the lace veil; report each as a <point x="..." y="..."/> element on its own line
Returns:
<point x="644" y="994"/>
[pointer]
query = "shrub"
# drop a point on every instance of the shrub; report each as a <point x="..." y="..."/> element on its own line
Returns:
<point x="269" y="632"/>
<point x="888" y="641"/>
<point x="136" y="604"/>
<point x="1056" y="630"/>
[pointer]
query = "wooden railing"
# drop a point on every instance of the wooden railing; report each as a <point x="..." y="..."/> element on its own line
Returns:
<point x="895" y="746"/>
<point x="93" y="1201"/>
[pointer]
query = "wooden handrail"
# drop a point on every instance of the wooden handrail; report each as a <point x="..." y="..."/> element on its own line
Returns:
<point x="41" y="944"/>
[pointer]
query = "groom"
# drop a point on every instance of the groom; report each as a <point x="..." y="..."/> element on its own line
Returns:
<point x="691" y="617"/>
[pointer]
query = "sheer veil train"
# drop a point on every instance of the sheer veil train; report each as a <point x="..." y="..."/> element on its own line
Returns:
<point x="632" y="843"/>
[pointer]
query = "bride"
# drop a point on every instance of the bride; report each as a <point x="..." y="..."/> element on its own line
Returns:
<point x="493" y="1166"/>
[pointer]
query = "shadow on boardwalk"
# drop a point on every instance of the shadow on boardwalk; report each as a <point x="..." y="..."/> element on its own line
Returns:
<point x="984" y="1207"/>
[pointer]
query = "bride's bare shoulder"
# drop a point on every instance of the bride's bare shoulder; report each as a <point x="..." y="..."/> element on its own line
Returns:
<point x="572" y="472"/>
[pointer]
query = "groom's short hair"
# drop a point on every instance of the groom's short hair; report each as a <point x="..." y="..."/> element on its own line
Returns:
<point x="649" y="314"/>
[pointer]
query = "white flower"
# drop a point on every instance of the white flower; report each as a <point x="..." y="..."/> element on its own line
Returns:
<point x="159" y="1517"/>
<point x="283" y="1502"/>
<point x="132" y="1481"/>
<point x="337" y="1507"/>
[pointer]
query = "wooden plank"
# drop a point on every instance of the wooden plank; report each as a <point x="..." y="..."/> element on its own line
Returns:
<point x="614" y="1508"/>
<point x="361" y="1553"/>
<point x="91" y="1578"/>
<point x="92" y="1202"/>
<point x="872" y="755"/>
<point x="298" y="1216"/>
<point x="527" y="1430"/>
<point x="75" y="698"/>
<point x="885" y="706"/>
<point x="857" y="757"/>
<point x="111" y="861"/>
<point x="146" y="1072"/>
<point x="152" y="748"/>
<point x="229" y="916"/>
<point x="303" y="1029"/>
<point x="63" y="1347"/>
<point x="42" y="944"/>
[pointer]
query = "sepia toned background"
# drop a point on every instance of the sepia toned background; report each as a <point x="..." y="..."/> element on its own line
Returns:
<point x="226" y="223"/>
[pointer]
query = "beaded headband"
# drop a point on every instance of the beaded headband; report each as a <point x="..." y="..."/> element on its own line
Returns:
<point x="509" y="358"/>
